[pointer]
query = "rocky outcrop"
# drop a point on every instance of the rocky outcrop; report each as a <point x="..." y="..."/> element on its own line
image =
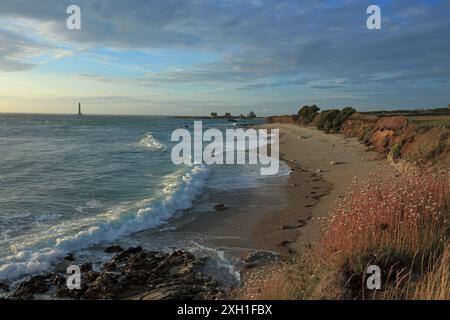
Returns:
<point x="132" y="274"/>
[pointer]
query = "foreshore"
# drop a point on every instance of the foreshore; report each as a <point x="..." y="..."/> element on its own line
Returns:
<point x="284" y="217"/>
<point x="262" y="226"/>
<point x="324" y="167"/>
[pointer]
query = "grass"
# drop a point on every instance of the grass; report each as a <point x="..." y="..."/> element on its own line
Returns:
<point x="431" y="121"/>
<point x="400" y="224"/>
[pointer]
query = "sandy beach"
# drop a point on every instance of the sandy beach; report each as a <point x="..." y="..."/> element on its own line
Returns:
<point x="283" y="216"/>
<point x="324" y="168"/>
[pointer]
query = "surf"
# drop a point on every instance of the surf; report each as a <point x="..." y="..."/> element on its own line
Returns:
<point x="42" y="250"/>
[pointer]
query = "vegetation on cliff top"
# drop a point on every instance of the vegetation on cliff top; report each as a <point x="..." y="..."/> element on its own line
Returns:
<point x="411" y="136"/>
<point x="330" y="121"/>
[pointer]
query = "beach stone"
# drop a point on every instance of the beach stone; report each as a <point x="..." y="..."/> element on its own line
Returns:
<point x="69" y="257"/>
<point x="259" y="258"/>
<point x="114" y="249"/>
<point x="220" y="207"/>
<point x="319" y="171"/>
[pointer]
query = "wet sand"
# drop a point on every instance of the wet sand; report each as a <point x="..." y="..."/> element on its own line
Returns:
<point x="283" y="216"/>
<point x="324" y="169"/>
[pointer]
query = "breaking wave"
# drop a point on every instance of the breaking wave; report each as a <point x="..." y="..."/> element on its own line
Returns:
<point x="152" y="143"/>
<point x="36" y="253"/>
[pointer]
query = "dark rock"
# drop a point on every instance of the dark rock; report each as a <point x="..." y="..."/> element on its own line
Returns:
<point x="127" y="253"/>
<point x="110" y="265"/>
<point x="36" y="285"/>
<point x="57" y="279"/>
<point x="259" y="258"/>
<point x="85" y="267"/>
<point x="4" y="287"/>
<point x="114" y="249"/>
<point x="133" y="274"/>
<point x="69" y="257"/>
<point x="90" y="276"/>
<point x="220" y="207"/>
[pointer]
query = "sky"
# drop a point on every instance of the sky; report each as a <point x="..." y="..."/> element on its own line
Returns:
<point x="193" y="57"/>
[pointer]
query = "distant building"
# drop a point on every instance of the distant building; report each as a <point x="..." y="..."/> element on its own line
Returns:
<point x="227" y="115"/>
<point x="251" y="115"/>
<point x="213" y="114"/>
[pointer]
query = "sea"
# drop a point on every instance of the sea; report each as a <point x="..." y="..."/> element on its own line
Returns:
<point x="75" y="184"/>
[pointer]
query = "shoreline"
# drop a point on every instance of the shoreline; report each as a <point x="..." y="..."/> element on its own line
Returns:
<point x="324" y="167"/>
<point x="280" y="219"/>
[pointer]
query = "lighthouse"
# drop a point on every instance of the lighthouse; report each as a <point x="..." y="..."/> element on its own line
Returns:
<point x="79" y="109"/>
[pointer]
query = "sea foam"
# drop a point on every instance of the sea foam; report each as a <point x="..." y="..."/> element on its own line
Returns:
<point x="152" y="143"/>
<point x="36" y="253"/>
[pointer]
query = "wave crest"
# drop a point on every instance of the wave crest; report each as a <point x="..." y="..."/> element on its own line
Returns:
<point x="152" y="143"/>
<point x="37" y="255"/>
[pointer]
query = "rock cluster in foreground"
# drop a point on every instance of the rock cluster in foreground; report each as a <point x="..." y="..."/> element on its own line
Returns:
<point x="132" y="274"/>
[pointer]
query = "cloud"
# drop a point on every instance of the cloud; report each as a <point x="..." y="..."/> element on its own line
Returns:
<point x="12" y="48"/>
<point x="259" y="44"/>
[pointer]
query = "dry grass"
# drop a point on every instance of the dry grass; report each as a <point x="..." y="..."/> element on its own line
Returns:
<point x="435" y="285"/>
<point x="399" y="223"/>
<point x="431" y="121"/>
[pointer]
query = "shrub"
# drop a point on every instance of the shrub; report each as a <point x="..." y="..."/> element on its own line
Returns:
<point x="332" y="120"/>
<point x="308" y="113"/>
<point x="326" y="120"/>
<point x="396" y="151"/>
<point x="342" y="117"/>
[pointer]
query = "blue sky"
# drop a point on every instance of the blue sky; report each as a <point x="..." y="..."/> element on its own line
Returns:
<point x="194" y="57"/>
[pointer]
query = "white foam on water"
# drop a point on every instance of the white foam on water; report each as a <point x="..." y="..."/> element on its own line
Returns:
<point x="152" y="143"/>
<point x="35" y="253"/>
<point x="221" y="260"/>
<point x="91" y="204"/>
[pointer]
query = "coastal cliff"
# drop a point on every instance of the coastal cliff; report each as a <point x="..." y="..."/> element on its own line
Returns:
<point x="397" y="137"/>
<point x="401" y="139"/>
<point x="400" y="211"/>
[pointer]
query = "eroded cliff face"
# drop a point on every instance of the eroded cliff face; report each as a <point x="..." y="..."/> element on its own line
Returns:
<point x="283" y="119"/>
<point x="399" y="138"/>
<point x="396" y="137"/>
